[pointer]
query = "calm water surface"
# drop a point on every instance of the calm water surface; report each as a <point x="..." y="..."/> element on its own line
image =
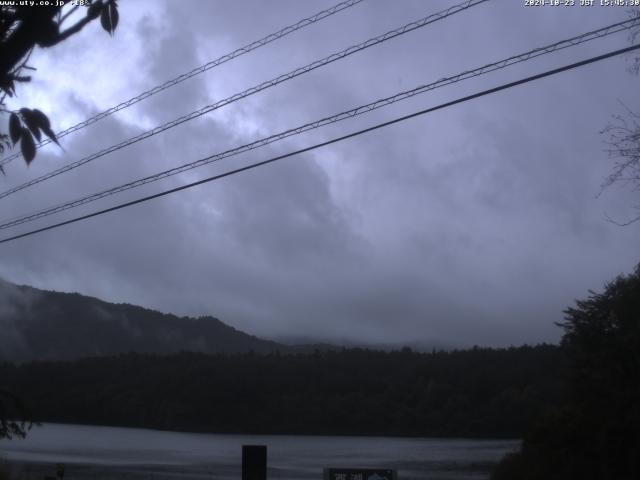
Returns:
<point x="107" y="452"/>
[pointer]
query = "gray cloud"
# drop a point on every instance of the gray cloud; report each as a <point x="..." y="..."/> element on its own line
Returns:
<point x="477" y="224"/>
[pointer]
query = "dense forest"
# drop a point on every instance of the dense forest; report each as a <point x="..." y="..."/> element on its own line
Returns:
<point x="595" y="433"/>
<point x="475" y="393"/>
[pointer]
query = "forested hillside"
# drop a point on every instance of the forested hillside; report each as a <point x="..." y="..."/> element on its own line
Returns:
<point x="478" y="392"/>
<point x="42" y="325"/>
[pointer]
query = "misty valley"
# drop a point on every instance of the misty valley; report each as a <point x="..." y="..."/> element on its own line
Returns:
<point x="114" y="375"/>
<point x="128" y="366"/>
<point x="296" y="240"/>
<point x="80" y="360"/>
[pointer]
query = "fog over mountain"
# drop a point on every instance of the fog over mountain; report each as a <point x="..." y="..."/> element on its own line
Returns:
<point x="43" y="325"/>
<point x="476" y="224"/>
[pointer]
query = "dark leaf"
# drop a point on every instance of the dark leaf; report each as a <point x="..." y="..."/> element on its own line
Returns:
<point x="115" y="16"/>
<point x="28" y="146"/>
<point x="43" y="120"/>
<point x="2" y="170"/>
<point x="15" y="129"/>
<point x="32" y="121"/>
<point x="47" y="34"/>
<point x="49" y="133"/>
<point x="105" y="20"/>
<point x="94" y="10"/>
<point x="109" y="17"/>
<point x="37" y="134"/>
<point x="44" y="124"/>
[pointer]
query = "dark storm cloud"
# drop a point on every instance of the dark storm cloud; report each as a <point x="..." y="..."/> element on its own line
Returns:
<point x="477" y="224"/>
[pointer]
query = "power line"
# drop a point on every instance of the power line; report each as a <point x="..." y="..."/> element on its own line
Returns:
<point x="197" y="71"/>
<point x="595" y="34"/>
<point x="270" y="83"/>
<point x="329" y="142"/>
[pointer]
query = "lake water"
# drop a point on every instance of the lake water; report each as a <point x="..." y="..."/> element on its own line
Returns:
<point x="137" y="454"/>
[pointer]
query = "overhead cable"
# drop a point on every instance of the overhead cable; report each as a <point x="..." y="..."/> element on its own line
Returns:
<point x="328" y="142"/>
<point x="270" y="83"/>
<point x="522" y="57"/>
<point x="197" y="71"/>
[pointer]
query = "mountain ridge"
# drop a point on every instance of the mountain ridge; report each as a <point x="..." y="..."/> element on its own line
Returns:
<point x="48" y="325"/>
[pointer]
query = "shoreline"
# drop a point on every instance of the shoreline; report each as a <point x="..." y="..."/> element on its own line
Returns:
<point x="38" y="470"/>
<point x="105" y="453"/>
<point x="445" y="438"/>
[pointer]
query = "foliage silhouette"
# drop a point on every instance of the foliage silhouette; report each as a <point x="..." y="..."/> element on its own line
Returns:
<point x="22" y="28"/>
<point x="596" y="434"/>
<point x="14" y="416"/>
<point x="623" y="139"/>
<point x="472" y="393"/>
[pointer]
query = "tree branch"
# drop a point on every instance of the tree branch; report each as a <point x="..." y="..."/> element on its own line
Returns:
<point x="72" y="30"/>
<point x="621" y="224"/>
<point x="66" y="15"/>
<point x="24" y="38"/>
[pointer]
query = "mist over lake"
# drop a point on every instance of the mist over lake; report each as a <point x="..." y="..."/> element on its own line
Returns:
<point x="111" y="452"/>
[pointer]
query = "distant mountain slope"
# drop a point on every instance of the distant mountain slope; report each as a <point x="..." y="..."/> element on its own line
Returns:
<point x="42" y="325"/>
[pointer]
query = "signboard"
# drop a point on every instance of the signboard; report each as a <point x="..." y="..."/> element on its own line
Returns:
<point x="360" y="474"/>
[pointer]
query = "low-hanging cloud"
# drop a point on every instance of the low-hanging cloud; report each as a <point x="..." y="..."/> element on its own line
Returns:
<point x="478" y="224"/>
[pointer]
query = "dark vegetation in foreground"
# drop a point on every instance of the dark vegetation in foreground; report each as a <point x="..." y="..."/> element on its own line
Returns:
<point x="471" y="393"/>
<point x="595" y="434"/>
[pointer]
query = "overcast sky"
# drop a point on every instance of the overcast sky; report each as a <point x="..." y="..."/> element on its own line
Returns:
<point x="477" y="224"/>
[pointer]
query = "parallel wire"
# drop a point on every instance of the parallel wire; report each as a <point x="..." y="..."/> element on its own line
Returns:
<point x="197" y="71"/>
<point x="270" y="83"/>
<point x="329" y="142"/>
<point x="585" y="37"/>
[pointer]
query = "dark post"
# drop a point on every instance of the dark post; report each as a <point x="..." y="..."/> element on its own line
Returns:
<point x="254" y="462"/>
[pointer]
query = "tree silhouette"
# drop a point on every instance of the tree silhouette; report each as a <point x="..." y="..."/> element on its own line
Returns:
<point x="23" y="28"/>
<point x="596" y="435"/>
<point x="623" y="139"/>
<point x="14" y="416"/>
